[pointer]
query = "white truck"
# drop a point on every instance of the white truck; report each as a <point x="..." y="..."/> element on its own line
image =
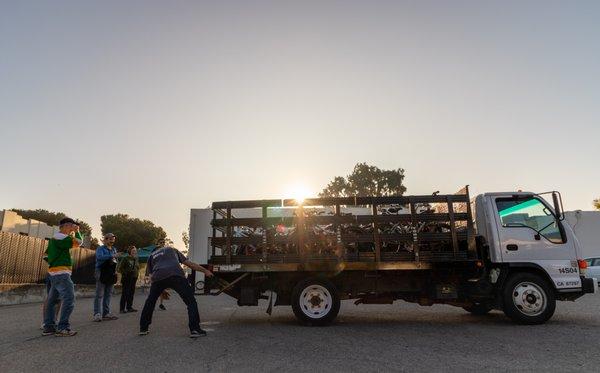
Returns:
<point x="510" y="251"/>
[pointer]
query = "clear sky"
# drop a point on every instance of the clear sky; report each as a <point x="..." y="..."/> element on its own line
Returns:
<point x="152" y="108"/>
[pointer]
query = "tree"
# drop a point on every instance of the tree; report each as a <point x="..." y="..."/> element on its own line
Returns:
<point x="52" y="218"/>
<point x="185" y="237"/>
<point x="597" y="204"/>
<point x="131" y="231"/>
<point x="338" y="187"/>
<point x="366" y="180"/>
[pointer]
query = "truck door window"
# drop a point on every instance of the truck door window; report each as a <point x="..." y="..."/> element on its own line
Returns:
<point x="529" y="212"/>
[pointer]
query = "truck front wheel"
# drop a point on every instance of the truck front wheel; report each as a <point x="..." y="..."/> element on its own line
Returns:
<point x="528" y="299"/>
<point x="315" y="301"/>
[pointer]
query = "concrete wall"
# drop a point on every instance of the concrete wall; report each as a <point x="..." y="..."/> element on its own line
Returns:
<point x="12" y="222"/>
<point x="33" y="293"/>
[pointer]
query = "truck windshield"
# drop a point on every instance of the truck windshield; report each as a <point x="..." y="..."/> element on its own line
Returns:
<point x="529" y="213"/>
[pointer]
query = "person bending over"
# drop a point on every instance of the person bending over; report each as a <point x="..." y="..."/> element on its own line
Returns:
<point x="164" y="269"/>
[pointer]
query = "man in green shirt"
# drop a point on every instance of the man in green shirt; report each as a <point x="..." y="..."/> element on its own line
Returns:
<point x="59" y="271"/>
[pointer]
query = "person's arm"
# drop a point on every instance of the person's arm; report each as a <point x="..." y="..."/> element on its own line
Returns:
<point x="188" y="263"/>
<point x="78" y="240"/>
<point x="197" y="267"/>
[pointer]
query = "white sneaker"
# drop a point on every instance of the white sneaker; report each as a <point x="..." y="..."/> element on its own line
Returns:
<point x="97" y="317"/>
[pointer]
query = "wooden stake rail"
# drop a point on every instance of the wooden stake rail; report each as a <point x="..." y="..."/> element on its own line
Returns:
<point x="415" y="220"/>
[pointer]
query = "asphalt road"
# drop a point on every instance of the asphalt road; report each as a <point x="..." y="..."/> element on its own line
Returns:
<point x="398" y="337"/>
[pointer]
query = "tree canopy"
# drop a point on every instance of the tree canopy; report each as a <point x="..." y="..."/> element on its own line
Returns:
<point x="131" y="231"/>
<point x="366" y="180"/>
<point x="52" y="218"/>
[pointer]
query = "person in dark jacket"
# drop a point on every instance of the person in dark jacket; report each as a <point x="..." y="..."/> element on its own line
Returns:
<point x="105" y="255"/>
<point x="128" y="267"/>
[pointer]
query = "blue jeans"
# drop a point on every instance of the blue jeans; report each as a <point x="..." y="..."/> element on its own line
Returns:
<point x="104" y="292"/>
<point x="61" y="287"/>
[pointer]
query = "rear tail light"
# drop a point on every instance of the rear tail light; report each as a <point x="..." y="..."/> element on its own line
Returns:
<point x="582" y="266"/>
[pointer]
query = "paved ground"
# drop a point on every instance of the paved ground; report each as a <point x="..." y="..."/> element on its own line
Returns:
<point x="366" y="338"/>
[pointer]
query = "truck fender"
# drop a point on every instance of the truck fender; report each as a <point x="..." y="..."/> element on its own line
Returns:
<point x="510" y="268"/>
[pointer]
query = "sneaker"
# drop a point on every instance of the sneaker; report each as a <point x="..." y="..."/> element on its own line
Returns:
<point x="110" y="316"/>
<point x="97" y="318"/>
<point x="162" y="307"/>
<point x="65" y="333"/>
<point x="123" y="311"/>
<point x="144" y="332"/>
<point x="132" y="310"/>
<point x="197" y="333"/>
<point x="49" y="330"/>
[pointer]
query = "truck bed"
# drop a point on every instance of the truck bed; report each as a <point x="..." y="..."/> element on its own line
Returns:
<point x="381" y="232"/>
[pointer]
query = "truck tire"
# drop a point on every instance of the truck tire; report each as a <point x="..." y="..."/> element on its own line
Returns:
<point x="479" y="309"/>
<point x="528" y="299"/>
<point x="315" y="301"/>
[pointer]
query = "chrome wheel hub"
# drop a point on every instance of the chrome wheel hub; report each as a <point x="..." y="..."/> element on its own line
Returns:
<point x="529" y="298"/>
<point x="315" y="301"/>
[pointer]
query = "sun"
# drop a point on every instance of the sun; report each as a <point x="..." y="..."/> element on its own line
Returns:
<point x="299" y="192"/>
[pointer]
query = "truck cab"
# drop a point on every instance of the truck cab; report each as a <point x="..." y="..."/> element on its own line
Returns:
<point x="526" y="237"/>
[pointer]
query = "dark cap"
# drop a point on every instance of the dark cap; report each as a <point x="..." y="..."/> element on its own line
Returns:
<point x="64" y="221"/>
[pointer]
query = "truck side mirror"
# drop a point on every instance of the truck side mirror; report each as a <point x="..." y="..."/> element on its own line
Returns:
<point x="558" y="212"/>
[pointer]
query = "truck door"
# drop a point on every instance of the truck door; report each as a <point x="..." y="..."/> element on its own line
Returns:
<point x="530" y="233"/>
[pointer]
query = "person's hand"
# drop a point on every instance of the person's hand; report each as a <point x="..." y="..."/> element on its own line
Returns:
<point x="208" y="273"/>
<point x="76" y="228"/>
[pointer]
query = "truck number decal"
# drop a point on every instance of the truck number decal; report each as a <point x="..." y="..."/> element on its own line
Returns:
<point x="567" y="270"/>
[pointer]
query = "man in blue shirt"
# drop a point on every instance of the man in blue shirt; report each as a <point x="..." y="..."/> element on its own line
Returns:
<point x="104" y="253"/>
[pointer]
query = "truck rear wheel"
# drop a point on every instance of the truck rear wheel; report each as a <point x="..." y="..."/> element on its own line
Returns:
<point x="528" y="299"/>
<point x="315" y="301"/>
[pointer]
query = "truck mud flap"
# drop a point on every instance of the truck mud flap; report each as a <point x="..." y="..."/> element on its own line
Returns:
<point x="589" y="285"/>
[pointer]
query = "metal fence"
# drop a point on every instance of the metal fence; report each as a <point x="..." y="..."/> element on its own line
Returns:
<point x="21" y="261"/>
